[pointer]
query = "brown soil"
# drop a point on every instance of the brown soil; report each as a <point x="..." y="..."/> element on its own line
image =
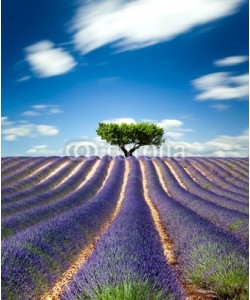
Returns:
<point x="190" y="174"/>
<point x="158" y="170"/>
<point x="55" y="171"/>
<point x="77" y="167"/>
<point x="90" y="174"/>
<point x="175" y="175"/>
<point x="208" y="177"/>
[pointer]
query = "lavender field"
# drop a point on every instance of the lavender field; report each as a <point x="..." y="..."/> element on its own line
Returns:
<point x="133" y="229"/>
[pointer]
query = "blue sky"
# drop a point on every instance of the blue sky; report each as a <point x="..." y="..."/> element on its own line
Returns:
<point x="67" y="65"/>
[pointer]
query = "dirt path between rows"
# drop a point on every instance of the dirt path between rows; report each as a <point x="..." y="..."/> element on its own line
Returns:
<point x="76" y="168"/>
<point x="165" y="239"/>
<point x="207" y="176"/>
<point x="189" y="173"/>
<point x="55" y="292"/>
<point x="192" y="292"/>
<point x="172" y="170"/>
<point x="39" y="169"/>
<point x="58" y="169"/>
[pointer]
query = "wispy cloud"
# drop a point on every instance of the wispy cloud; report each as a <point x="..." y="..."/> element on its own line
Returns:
<point x="24" y="78"/>
<point x="6" y="122"/>
<point x="221" y="146"/>
<point x="10" y="137"/>
<point x="141" y="23"/>
<point x="120" y="120"/>
<point x="170" y="124"/>
<point x="54" y="110"/>
<point x="221" y="107"/>
<point x="18" y="131"/>
<point x="230" y="61"/>
<point x="173" y="128"/>
<point x="222" y="86"/>
<point x="40" y="147"/>
<point x="42" y="109"/>
<point x="12" y="131"/>
<point x="31" y="113"/>
<point x="40" y="106"/>
<point x="47" y="130"/>
<point x="42" y="150"/>
<point x="108" y="80"/>
<point x="46" y="60"/>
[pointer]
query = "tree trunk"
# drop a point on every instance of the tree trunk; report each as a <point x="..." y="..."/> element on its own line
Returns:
<point x="130" y="152"/>
<point x="133" y="150"/>
<point x="125" y="151"/>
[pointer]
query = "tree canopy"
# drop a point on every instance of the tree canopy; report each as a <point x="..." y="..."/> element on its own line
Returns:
<point x="137" y="135"/>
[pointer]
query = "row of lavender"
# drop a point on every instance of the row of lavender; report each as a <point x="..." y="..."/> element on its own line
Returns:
<point x="34" y="259"/>
<point x="208" y="181"/>
<point x="128" y="260"/>
<point x="161" y="283"/>
<point x="22" y="178"/>
<point x="47" y="191"/>
<point x="49" y="200"/>
<point x="22" y="167"/>
<point x="207" y="255"/>
<point x="55" y="202"/>
<point x="224" y="213"/>
<point x="125" y="263"/>
<point x="15" y="164"/>
<point x="223" y="174"/>
<point x="24" y="181"/>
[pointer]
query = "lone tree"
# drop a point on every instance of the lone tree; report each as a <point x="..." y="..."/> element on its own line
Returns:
<point x="137" y="135"/>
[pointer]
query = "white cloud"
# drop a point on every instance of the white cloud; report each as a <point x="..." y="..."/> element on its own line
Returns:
<point x="230" y="61"/>
<point x="222" y="145"/>
<point x="31" y="113"/>
<point x="20" y="130"/>
<point x="40" y="147"/>
<point x="39" y="106"/>
<point x="5" y="121"/>
<point x="174" y="134"/>
<point x="14" y="130"/>
<point x="40" y="46"/>
<point x="46" y="60"/>
<point x="173" y="128"/>
<point x="47" y="130"/>
<point x="24" y="78"/>
<point x="170" y="124"/>
<point x="222" y="86"/>
<point x="42" y="109"/>
<point x="120" y="120"/>
<point x="221" y="106"/>
<point x="10" y="137"/>
<point x="31" y="151"/>
<point x="140" y="23"/>
<point x="42" y="150"/>
<point x="54" y="110"/>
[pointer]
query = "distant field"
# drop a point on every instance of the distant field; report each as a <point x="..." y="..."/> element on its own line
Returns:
<point x="116" y="229"/>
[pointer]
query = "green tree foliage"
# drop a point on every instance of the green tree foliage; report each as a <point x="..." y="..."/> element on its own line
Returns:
<point x="137" y="135"/>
